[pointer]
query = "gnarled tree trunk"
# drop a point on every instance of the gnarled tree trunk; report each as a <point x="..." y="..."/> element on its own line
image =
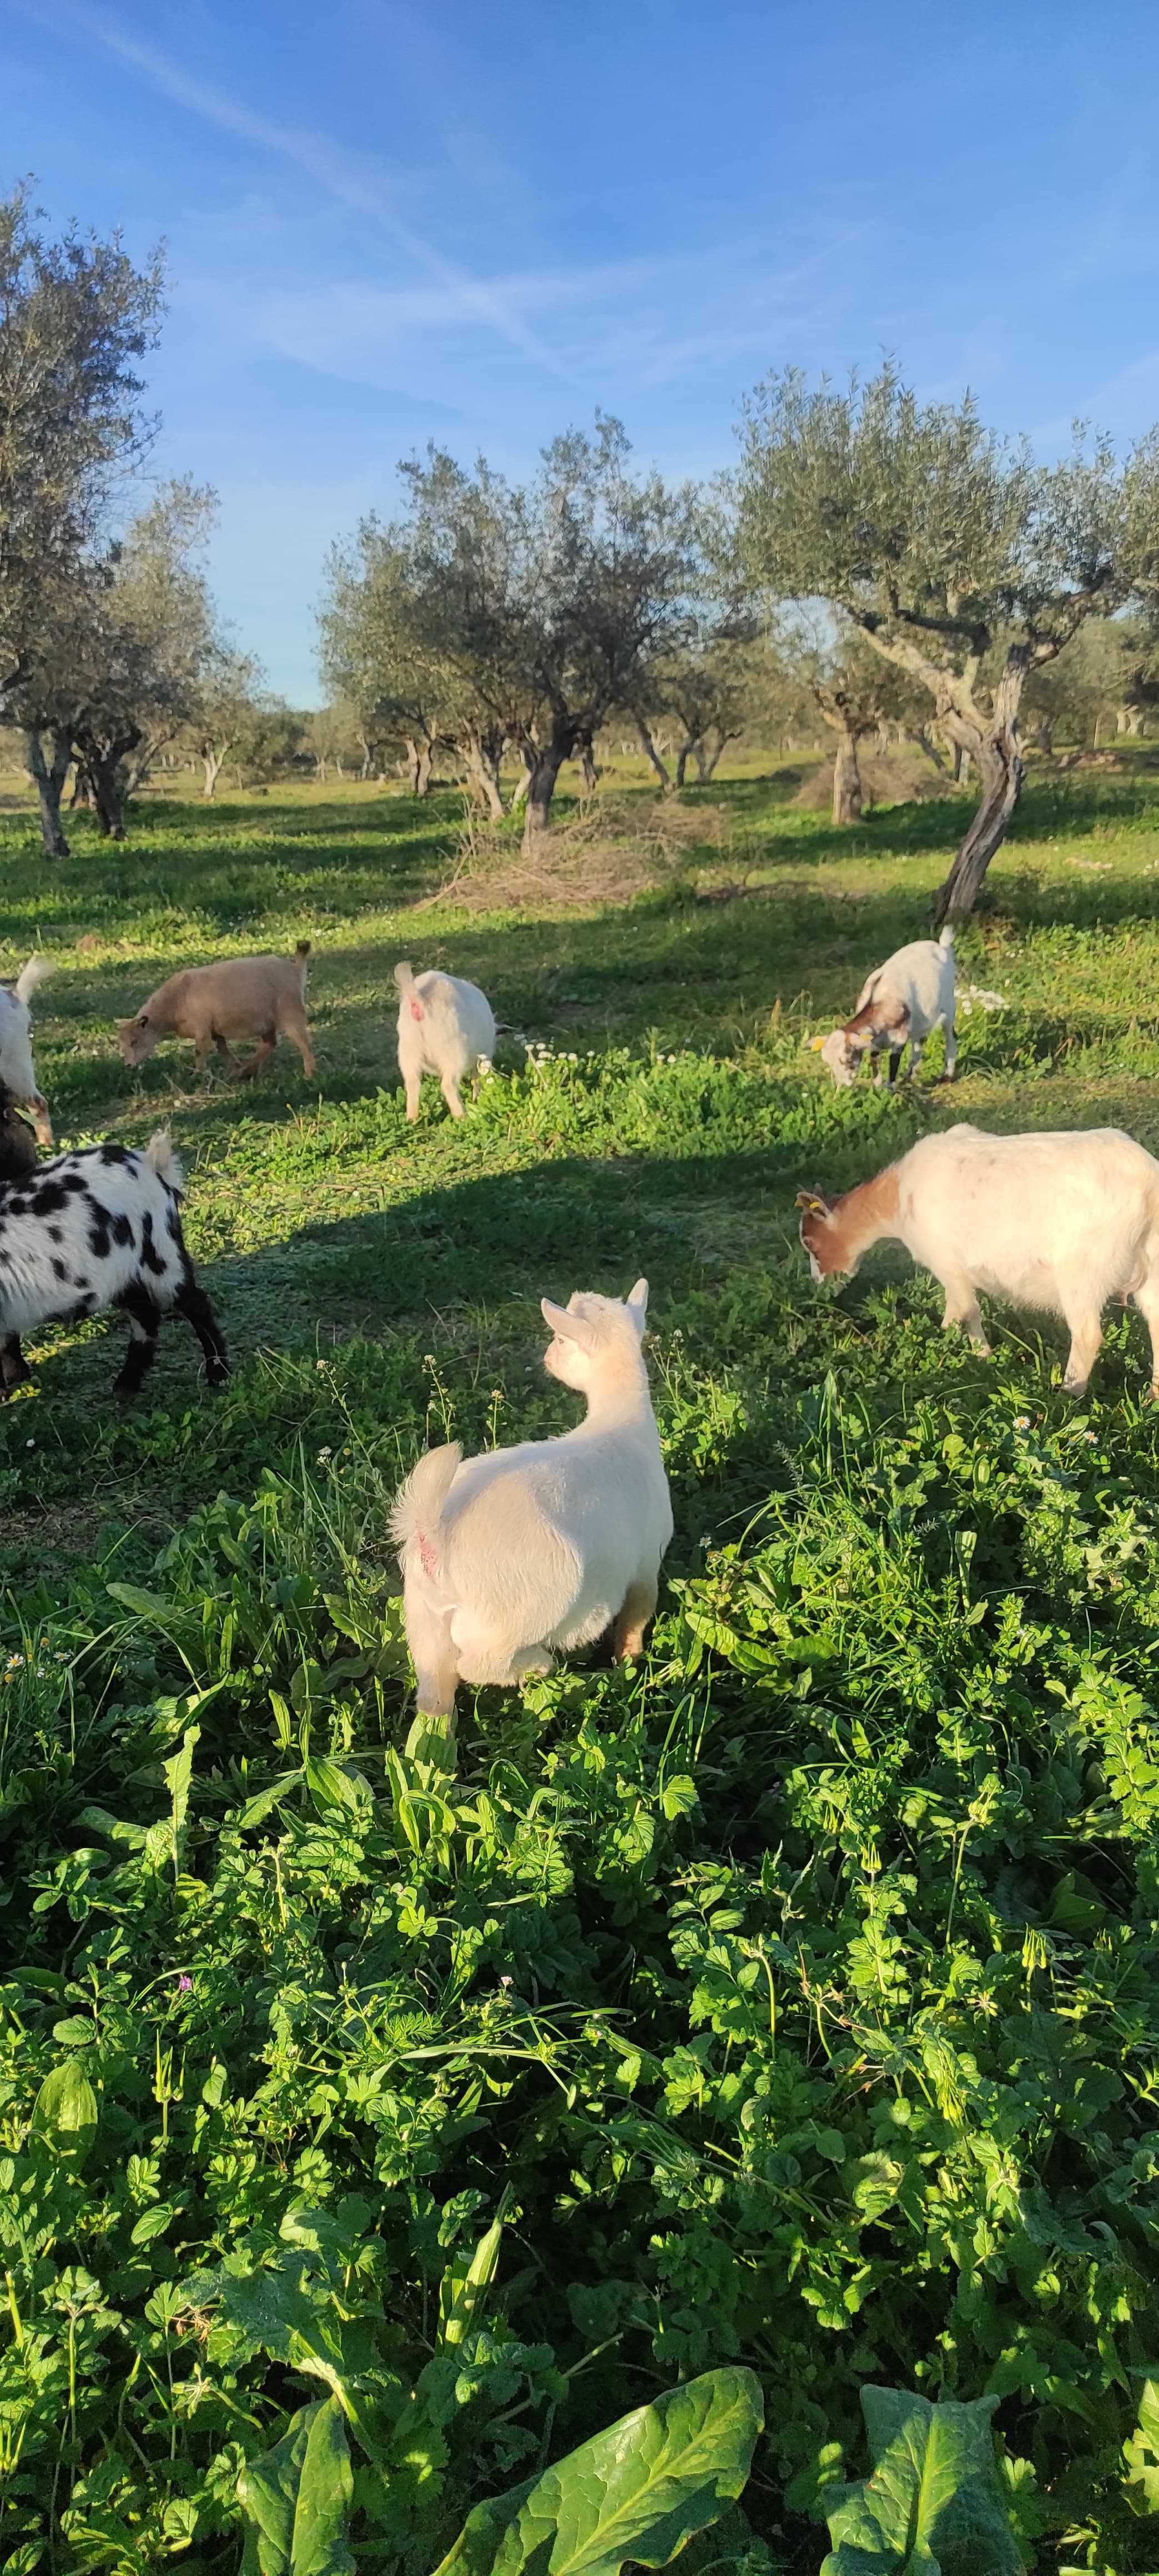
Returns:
<point x="644" y="733"/>
<point x="544" y="760"/>
<point x="706" y="760"/>
<point x="997" y="753"/>
<point x="103" y="756"/>
<point x="49" y="776"/>
<point x="420" y="762"/>
<point x="213" y="762"/>
<point x="684" y="755"/>
<point x="482" y="754"/>
<point x="846" y="778"/>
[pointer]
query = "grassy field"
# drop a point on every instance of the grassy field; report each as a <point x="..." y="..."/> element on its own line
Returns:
<point x="796" y="1994"/>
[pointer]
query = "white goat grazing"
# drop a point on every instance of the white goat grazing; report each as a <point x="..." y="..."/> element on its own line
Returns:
<point x="17" y="1071"/>
<point x="909" y="996"/>
<point x="445" y="1026"/>
<point x="509" y="1555"/>
<point x="1059" y="1222"/>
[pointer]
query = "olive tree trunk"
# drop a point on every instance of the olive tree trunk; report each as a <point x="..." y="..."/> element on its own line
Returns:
<point x="587" y="761"/>
<point x="49" y="776"/>
<point x="481" y="760"/>
<point x="544" y="765"/>
<point x="419" y="763"/>
<point x="997" y="755"/>
<point x="706" y="760"/>
<point x="846" y="778"/>
<point x="213" y="762"/>
<point x="648" y="747"/>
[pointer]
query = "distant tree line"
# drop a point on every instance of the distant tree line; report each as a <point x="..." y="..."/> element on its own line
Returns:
<point x="874" y="568"/>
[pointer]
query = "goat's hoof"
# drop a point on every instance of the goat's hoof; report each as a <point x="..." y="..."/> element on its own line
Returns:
<point x="217" y="1372"/>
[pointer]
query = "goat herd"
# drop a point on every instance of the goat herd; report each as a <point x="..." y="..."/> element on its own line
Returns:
<point x="512" y="1555"/>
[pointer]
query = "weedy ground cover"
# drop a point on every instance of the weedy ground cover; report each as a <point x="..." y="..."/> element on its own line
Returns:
<point x="383" y="2118"/>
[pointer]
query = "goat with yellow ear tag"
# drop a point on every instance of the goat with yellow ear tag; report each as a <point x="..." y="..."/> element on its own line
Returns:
<point x="815" y="1045"/>
<point x="812" y="1202"/>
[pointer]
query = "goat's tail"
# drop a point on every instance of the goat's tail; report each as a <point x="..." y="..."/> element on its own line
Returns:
<point x="404" y="975"/>
<point x="36" y="972"/>
<point x="946" y="937"/>
<point x="418" y="1505"/>
<point x="160" y="1152"/>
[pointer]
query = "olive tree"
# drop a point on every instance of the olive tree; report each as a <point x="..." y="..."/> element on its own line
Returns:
<point x="496" y="615"/>
<point x="375" y="654"/>
<point x="75" y="319"/>
<point x="706" y="682"/>
<point x="959" y="559"/>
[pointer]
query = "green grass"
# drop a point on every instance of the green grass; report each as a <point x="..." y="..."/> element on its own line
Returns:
<point x="832" y="2025"/>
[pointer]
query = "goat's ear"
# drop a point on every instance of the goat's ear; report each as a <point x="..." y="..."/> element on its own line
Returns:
<point x="567" y="1328"/>
<point x="637" y="1304"/>
<point x="417" y="1010"/>
<point x="812" y="1203"/>
<point x="815" y="1045"/>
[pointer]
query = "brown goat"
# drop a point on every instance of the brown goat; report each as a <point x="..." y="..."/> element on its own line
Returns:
<point x="239" y="997"/>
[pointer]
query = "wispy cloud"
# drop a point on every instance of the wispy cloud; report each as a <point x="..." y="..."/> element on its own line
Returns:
<point x="334" y="170"/>
<point x="617" y="322"/>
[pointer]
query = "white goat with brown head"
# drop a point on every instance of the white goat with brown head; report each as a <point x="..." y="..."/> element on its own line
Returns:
<point x="899" y="1004"/>
<point x="1059" y="1223"/>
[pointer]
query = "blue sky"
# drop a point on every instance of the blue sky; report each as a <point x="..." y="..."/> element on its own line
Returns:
<point x="476" y="222"/>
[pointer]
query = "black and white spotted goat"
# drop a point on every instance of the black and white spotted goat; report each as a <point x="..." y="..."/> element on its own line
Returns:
<point x="97" y="1228"/>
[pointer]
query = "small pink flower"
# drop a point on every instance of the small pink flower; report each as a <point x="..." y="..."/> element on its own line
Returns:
<point x="185" y="1985"/>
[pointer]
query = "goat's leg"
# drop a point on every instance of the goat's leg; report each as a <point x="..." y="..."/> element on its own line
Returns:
<point x="628" y="1627"/>
<point x="192" y="1302"/>
<point x="261" y="1055"/>
<point x="432" y="1653"/>
<point x="1086" y="1334"/>
<point x="951" y="1050"/>
<point x="144" y="1323"/>
<point x="14" y="1368"/>
<point x="1146" y="1299"/>
<point x="295" y="1026"/>
<point x="962" y="1308"/>
<point x="452" y="1095"/>
<point x="916" y="1046"/>
<point x="225" y="1051"/>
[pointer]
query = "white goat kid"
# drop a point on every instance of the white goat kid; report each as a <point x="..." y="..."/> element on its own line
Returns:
<point x="445" y="1026"/>
<point x="17" y="1071"/>
<point x="510" y="1556"/>
<point x="1058" y="1222"/>
<point x="907" y="998"/>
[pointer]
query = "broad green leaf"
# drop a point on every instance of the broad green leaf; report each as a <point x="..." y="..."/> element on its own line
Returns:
<point x="933" y="2505"/>
<point x="296" y="2499"/>
<point x="638" y="2491"/>
<point x="1141" y="2453"/>
<point x="75" y="2031"/>
<point x="330" y="1786"/>
<point x="264" y="1801"/>
<point x="65" y="2111"/>
<point x="154" y="2221"/>
<point x="148" y="1605"/>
